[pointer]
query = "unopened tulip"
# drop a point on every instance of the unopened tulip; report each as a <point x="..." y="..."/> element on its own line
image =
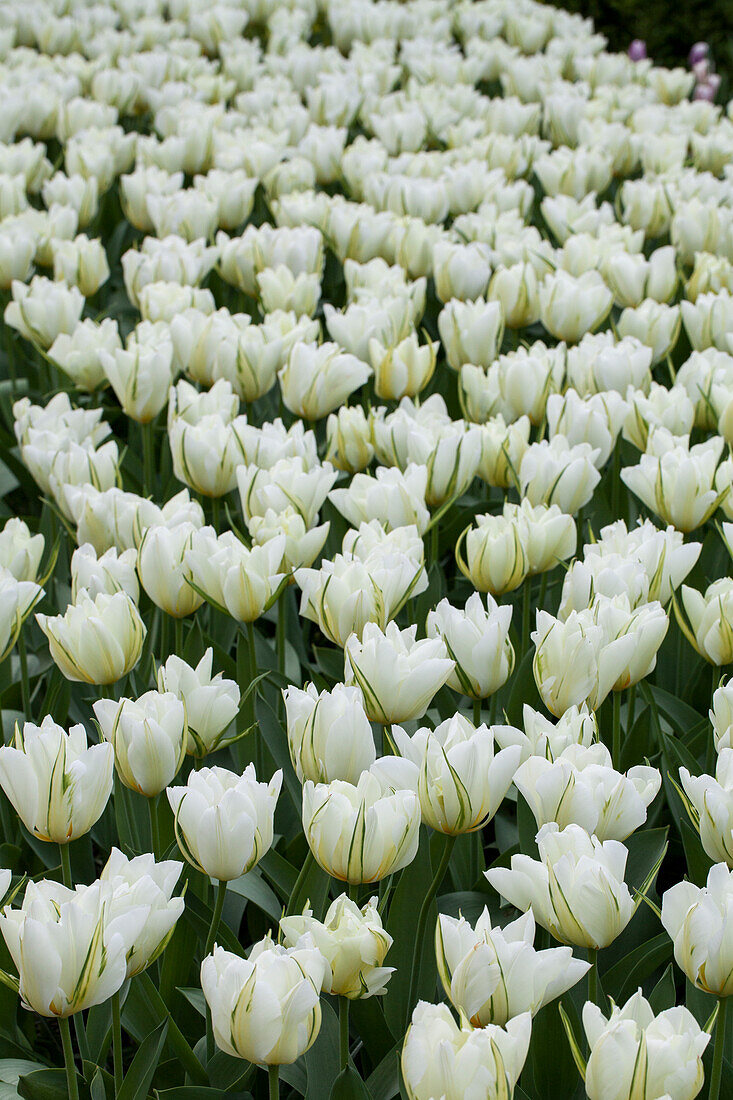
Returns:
<point x="394" y="498"/>
<point x="710" y="616"/>
<point x="442" y="1059"/>
<point x="211" y="702"/>
<point x="149" y="738"/>
<point x="555" y="472"/>
<point x="576" y="889"/>
<point x="223" y="821"/>
<point x="317" y="379"/>
<point x="471" y="332"/>
<point x="353" y="942"/>
<point x="96" y="641"/>
<point x="329" y="734"/>
<point x="266" y="1008"/>
<point x="677" y="482"/>
<point x="492" y="975"/>
<point x="548" y="534"/>
<point x="495" y="560"/>
<point x="162" y="570"/>
<point x="241" y="581"/>
<point x="364" y="832"/>
<point x="635" y="1053"/>
<point x="20" y="551"/>
<point x="570" y="307"/>
<point x="697" y="920"/>
<point x="721" y="717"/>
<point x="398" y="675"/>
<point x="711" y="799"/>
<point x="57" y="783"/>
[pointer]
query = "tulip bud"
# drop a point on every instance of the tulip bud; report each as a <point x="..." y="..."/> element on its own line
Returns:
<point x="491" y="975"/>
<point x="710" y="617"/>
<point x="223" y="821"/>
<point x="317" y="379"/>
<point x="277" y="984"/>
<point x="141" y="375"/>
<point x="548" y="535"/>
<point x="394" y="498"/>
<point x="711" y="805"/>
<point x="555" y="472"/>
<point x="20" y="551"/>
<point x="163" y="573"/>
<point x="68" y="952"/>
<point x="404" y="369"/>
<point x="288" y="482"/>
<point x="655" y="324"/>
<point x="439" y="1058"/>
<point x="398" y="675"/>
<point x="570" y="307"/>
<point x="81" y="263"/>
<point x="634" y="1049"/>
<point x="364" y="832"/>
<point x="697" y="921"/>
<point x="211" y="702"/>
<point x="721" y="717"/>
<point x="329" y="734"/>
<point x="471" y="332"/>
<point x="42" y="309"/>
<point x="495" y="560"/>
<point x="595" y="419"/>
<point x="149" y="736"/>
<point x="477" y="639"/>
<point x="96" y="641"/>
<point x="576" y="889"/>
<point x="243" y="582"/>
<point x="352" y="941"/>
<point x="58" y="785"/>
<point x="517" y="289"/>
<point x="462" y="779"/>
<point x="78" y="355"/>
<point x="348" y="437"/>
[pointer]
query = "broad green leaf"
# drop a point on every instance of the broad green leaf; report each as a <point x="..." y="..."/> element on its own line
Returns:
<point x="349" y="1086"/>
<point x="142" y="1070"/>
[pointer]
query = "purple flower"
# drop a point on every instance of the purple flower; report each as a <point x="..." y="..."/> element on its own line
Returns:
<point x="707" y="89"/>
<point x="699" y="52"/>
<point x="637" y="49"/>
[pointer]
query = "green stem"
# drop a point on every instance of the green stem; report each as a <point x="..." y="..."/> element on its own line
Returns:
<point x="178" y="637"/>
<point x="24" y="682"/>
<point x="215" y="513"/>
<point x="154" y="827"/>
<point x="71" y="1084"/>
<point x="433" y="545"/>
<point x="477" y="712"/>
<point x="718" y="1050"/>
<point x="117" y="1042"/>
<point x="344" y="1031"/>
<point x="302" y="875"/>
<point x="616" y="743"/>
<point x="147" y="431"/>
<point x="220" y="895"/>
<point x="66" y="866"/>
<point x="593" y="975"/>
<point x="273" y="1077"/>
<point x="252" y="702"/>
<point x="526" y="611"/>
<point x="422" y="921"/>
<point x="630" y="710"/>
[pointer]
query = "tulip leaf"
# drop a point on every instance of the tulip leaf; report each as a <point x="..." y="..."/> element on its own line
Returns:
<point x="349" y="1086"/>
<point x="575" y="1044"/>
<point x="140" y="1073"/>
<point x="322" y="1061"/>
<point x="384" y="1082"/>
<point x="402" y="926"/>
<point x="664" y="994"/>
<point x="625" y="976"/>
<point x="47" y="1084"/>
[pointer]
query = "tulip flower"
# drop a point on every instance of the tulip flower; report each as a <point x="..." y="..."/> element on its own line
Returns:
<point x="265" y="1008"/>
<point x="109" y="572"/>
<point x="211" y="702"/>
<point x="635" y="1050"/>
<point x="329" y="734"/>
<point x="317" y="379"/>
<point x="20" y="551"/>
<point x="441" y="1058"/>
<point x="398" y="675"/>
<point x="149" y="736"/>
<point x="697" y="921"/>
<point x="477" y="639"/>
<point x="69" y="952"/>
<point x="17" y="600"/>
<point x="57" y="783"/>
<point x="576" y="889"/>
<point x="96" y="641"/>
<point x="394" y="498"/>
<point x="353" y="942"/>
<point x="582" y="787"/>
<point x="242" y="582"/>
<point x="677" y="482"/>
<point x="710" y="615"/>
<point x="547" y="739"/>
<point x="161" y="566"/>
<point x="711" y="804"/>
<point x="721" y="717"/>
<point x="554" y="472"/>
<point x="495" y="560"/>
<point x="364" y="832"/>
<point x="462" y="779"/>
<point x="492" y="975"/>
<point x="141" y="881"/>
<point x="471" y="332"/>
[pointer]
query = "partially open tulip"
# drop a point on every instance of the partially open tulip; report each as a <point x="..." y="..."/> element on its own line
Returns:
<point x="211" y="702"/>
<point x="149" y="736"/>
<point x="57" y="783"/>
<point x="477" y="639"/>
<point x="96" y="641"/>
<point x="697" y="920"/>
<point x="329" y="734"/>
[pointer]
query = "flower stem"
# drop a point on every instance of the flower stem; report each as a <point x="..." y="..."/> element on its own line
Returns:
<point x="477" y="712"/>
<point x="154" y="827"/>
<point x="273" y="1076"/>
<point x="221" y="891"/>
<point x="251" y="717"/>
<point x="593" y="975"/>
<point x="302" y="874"/>
<point x="526" y="612"/>
<point x="422" y="921"/>
<point x="71" y="1083"/>
<point x="117" y="1041"/>
<point x="147" y="430"/>
<point x="616" y="743"/>
<point x="66" y="866"/>
<point x="717" y="1072"/>
<point x="344" y="1031"/>
<point x="24" y="683"/>
<point x="178" y="637"/>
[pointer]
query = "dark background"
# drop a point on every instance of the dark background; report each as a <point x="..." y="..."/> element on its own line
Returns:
<point x="669" y="28"/>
